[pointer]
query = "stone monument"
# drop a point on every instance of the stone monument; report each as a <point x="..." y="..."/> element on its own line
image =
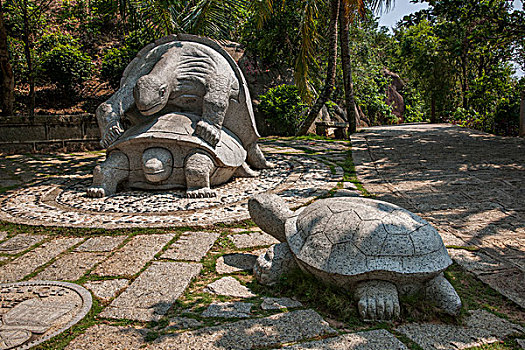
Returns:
<point x="376" y="249"/>
<point x="182" y="118"/>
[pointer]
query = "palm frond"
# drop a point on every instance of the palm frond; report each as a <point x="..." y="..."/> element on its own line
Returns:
<point x="306" y="56"/>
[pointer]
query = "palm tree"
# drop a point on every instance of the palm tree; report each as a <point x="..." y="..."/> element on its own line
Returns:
<point x="342" y="12"/>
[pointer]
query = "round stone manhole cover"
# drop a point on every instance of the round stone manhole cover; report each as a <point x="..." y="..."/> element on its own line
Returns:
<point x="33" y="312"/>
<point x="62" y="201"/>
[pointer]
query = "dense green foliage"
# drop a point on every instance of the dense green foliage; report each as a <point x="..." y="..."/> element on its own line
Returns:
<point x="454" y="57"/>
<point x="116" y="59"/>
<point x="65" y="65"/>
<point x="283" y="109"/>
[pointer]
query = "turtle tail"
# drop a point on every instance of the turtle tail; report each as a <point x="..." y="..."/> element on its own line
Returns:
<point x="270" y="213"/>
<point x="256" y="158"/>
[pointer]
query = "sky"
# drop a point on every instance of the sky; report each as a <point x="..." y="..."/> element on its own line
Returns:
<point x="402" y="8"/>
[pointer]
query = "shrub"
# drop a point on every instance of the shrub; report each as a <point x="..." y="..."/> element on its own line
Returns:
<point x="116" y="59"/>
<point x="66" y="66"/>
<point x="283" y="110"/>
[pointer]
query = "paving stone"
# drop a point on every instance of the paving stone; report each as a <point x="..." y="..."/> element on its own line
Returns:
<point x="19" y="243"/>
<point x="3" y="235"/>
<point x="347" y="193"/>
<point x="244" y="229"/>
<point x="192" y="246"/>
<point x="151" y="295"/>
<point x="247" y="334"/>
<point x="177" y="323"/>
<point x="101" y="244"/>
<point x="228" y="310"/>
<point x="379" y="339"/>
<point x="252" y="239"/>
<point x="476" y="262"/>
<point x="27" y="263"/>
<point x="71" y="266"/>
<point x="510" y="283"/>
<point x="279" y="303"/>
<point x="229" y="286"/>
<point x="105" y="337"/>
<point x="236" y="262"/>
<point x="481" y="327"/>
<point x="107" y="289"/>
<point x="132" y="257"/>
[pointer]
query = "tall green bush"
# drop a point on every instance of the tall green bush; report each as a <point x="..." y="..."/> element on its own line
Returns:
<point x="66" y="66"/>
<point x="283" y="110"/>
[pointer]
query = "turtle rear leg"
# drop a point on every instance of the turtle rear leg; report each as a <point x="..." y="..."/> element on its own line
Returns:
<point x="441" y="292"/>
<point x="109" y="174"/>
<point x="197" y="170"/>
<point x="377" y="300"/>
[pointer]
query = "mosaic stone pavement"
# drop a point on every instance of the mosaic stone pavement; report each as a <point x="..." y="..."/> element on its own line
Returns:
<point x="60" y="200"/>
<point x="154" y="293"/>
<point x="468" y="184"/>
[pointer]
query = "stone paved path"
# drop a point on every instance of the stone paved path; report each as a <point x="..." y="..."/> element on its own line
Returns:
<point x="469" y="184"/>
<point x="164" y="276"/>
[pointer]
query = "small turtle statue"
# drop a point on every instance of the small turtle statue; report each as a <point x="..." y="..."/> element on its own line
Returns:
<point x="375" y="248"/>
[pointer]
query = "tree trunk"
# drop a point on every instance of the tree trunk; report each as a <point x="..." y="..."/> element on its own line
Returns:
<point x="29" y="60"/>
<point x="522" y="114"/>
<point x="330" y="71"/>
<point x="7" y="79"/>
<point x="351" y="108"/>
<point x="433" y="109"/>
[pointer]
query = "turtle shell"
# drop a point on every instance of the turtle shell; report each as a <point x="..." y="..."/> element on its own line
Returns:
<point x="178" y="129"/>
<point x="358" y="236"/>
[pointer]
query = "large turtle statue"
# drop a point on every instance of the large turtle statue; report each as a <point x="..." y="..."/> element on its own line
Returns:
<point x="182" y="118"/>
<point x="376" y="249"/>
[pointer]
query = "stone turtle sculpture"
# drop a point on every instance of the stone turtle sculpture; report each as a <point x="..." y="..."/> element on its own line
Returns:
<point x="165" y="154"/>
<point x="180" y="76"/>
<point x="375" y="248"/>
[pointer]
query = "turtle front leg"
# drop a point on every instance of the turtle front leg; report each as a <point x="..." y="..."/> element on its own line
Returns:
<point x="441" y="292"/>
<point x="270" y="266"/>
<point x="377" y="300"/>
<point x="109" y="174"/>
<point x="197" y="170"/>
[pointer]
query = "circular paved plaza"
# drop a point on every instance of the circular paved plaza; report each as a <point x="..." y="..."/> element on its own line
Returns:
<point x="62" y="200"/>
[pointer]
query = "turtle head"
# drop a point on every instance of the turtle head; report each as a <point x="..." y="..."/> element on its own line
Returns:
<point x="270" y="213"/>
<point x="151" y="94"/>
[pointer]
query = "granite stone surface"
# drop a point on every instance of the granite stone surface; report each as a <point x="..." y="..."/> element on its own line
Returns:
<point x="230" y="263"/>
<point x="106" y="289"/>
<point x="101" y="244"/>
<point x="248" y="334"/>
<point x="252" y="239"/>
<point x="104" y="337"/>
<point x="370" y="340"/>
<point x="229" y="286"/>
<point x="152" y="294"/>
<point x="177" y="323"/>
<point x="191" y="246"/>
<point x="20" y="267"/>
<point x="19" y="243"/>
<point x="228" y="310"/>
<point x="71" y="266"/>
<point x="279" y="303"/>
<point x="481" y="328"/>
<point x="132" y="257"/>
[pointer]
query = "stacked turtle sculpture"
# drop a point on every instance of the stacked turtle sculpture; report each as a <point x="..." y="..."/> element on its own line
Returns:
<point x="182" y="118"/>
<point x="376" y="249"/>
